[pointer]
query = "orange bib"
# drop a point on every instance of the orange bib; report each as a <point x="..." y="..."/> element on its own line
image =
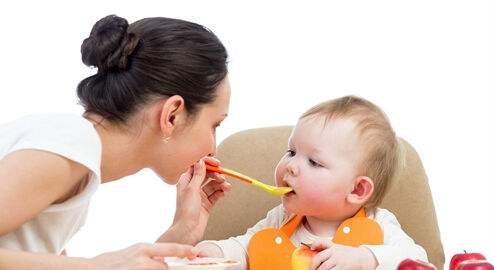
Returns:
<point x="271" y="249"/>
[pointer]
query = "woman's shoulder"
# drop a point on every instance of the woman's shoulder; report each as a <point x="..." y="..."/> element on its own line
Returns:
<point x="68" y="135"/>
<point x="56" y="123"/>
<point x="59" y="121"/>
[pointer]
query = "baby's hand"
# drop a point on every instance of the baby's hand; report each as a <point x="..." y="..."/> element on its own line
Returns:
<point x="207" y="249"/>
<point x="335" y="257"/>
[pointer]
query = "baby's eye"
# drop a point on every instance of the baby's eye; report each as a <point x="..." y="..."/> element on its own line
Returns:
<point x="290" y="153"/>
<point x="313" y="163"/>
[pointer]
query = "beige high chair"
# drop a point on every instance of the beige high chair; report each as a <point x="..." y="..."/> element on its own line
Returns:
<point x="256" y="152"/>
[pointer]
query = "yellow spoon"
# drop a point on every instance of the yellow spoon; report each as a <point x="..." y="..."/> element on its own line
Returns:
<point x="278" y="191"/>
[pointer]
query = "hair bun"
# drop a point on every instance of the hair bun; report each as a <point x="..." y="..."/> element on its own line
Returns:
<point x="109" y="45"/>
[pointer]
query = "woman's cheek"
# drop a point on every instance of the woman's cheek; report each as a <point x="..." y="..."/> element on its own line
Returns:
<point x="204" y="147"/>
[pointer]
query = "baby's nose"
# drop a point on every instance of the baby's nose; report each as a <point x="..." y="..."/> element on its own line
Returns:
<point x="292" y="168"/>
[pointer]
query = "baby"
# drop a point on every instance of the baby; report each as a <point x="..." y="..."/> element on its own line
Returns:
<point x="341" y="156"/>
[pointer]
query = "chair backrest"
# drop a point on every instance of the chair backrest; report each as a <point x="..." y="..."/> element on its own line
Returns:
<point x="256" y="153"/>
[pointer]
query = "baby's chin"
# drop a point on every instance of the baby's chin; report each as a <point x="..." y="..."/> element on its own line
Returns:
<point x="292" y="210"/>
<point x="292" y="205"/>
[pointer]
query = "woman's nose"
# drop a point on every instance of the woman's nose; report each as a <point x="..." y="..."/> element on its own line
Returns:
<point x="212" y="150"/>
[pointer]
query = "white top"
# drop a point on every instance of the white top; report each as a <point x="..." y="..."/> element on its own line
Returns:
<point x="397" y="244"/>
<point x="74" y="138"/>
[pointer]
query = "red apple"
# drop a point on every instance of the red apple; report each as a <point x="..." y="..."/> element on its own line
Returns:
<point x="475" y="265"/>
<point x="458" y="258"/>
<point x="301" y="257"/>
<point x="409" y="264"/>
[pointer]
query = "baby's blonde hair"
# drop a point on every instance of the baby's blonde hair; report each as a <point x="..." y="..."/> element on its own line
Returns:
<point x="377" y="136"/>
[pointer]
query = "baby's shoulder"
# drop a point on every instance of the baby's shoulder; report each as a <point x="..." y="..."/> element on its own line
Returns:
<point x="381" y="215"/>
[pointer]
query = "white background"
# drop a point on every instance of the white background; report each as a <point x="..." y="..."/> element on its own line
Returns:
<point x="428" y="64"/>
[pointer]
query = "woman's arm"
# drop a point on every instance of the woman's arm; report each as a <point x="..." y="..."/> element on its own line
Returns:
<point x="32" y="180"/>
<point x="136" y="257"/>
<point x="31" y="261"/>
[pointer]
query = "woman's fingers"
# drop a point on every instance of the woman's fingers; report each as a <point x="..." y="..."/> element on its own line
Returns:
<point x="212" y="161"/>
<point x="154" y="265"/>
<point x="184" y="179"/>
<point x="218" y="177"/>
<point x="198" y="174"/>
<point x="167" y="249"/>
<point x="213" y="198"/>
<point x="213" y="186"/>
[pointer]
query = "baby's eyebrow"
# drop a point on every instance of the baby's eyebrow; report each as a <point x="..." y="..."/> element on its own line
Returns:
<point x="290" y="143"/>
<point x="314" y="150"/>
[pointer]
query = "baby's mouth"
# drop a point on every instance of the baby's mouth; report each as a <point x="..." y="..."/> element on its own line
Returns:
<point x="286" y="184"/>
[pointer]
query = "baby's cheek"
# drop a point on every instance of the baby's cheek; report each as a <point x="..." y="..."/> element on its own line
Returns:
<point x="313" y="196"/>
<point x="278" y="173"/>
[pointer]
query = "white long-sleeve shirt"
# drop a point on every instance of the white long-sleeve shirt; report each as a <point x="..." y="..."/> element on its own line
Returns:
<point x="397" y="244"/>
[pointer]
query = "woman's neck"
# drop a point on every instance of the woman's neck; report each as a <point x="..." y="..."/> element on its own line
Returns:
<point x="120" y="150"/>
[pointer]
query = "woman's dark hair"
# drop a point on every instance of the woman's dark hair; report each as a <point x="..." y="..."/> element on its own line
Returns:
<point x="153" y="57"/>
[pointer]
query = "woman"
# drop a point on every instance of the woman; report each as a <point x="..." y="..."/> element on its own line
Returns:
<point x="160" y="91"/>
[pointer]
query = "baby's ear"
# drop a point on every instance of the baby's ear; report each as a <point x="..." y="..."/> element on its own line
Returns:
<point x="363" y="187"/>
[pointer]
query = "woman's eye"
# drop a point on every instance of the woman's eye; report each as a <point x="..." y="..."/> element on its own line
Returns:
<point x="290" y="153"/>
<point x="313" y="163"/>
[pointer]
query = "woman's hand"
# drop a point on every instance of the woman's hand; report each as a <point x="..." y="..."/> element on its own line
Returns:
<point x="141" y="256"/>
<point x="197" y="192"/>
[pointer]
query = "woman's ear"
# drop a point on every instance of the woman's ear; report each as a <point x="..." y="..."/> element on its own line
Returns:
<point x="362" y="190"/>
<point x="172" y="114"/>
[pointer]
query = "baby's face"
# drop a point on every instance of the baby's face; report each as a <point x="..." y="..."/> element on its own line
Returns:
<point x="320" y="165"/>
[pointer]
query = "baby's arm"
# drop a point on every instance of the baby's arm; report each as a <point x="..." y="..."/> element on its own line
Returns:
<point x="397" y="244"/>
<point x="397" y="247"/>
<point x="236" y="247"/>
<point x="209" y="249"/>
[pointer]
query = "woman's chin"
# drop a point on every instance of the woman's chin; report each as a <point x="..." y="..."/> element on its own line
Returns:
<point x="168" y="179"/>
<point x="170" y="182"/>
